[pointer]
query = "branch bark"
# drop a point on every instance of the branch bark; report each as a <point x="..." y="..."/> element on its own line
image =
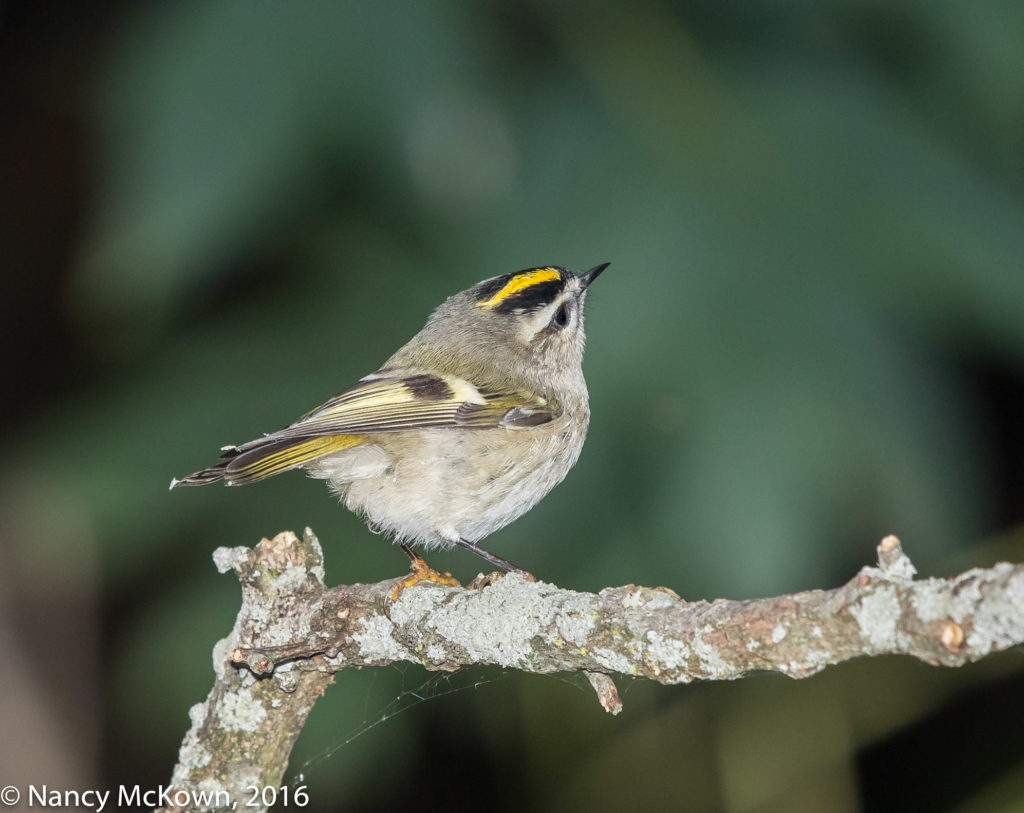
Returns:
<point x="293" y="634"/>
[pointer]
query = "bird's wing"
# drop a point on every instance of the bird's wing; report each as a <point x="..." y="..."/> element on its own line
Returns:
<point x="401" y="400"/>
<point x="389" y="401"/>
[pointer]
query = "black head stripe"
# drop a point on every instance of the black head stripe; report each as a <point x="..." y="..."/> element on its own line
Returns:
<point x="532" y="298"/>
<point x="489" y="287"/>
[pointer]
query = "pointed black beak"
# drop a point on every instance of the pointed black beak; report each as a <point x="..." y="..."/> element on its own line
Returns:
<point x="588" y="277"/>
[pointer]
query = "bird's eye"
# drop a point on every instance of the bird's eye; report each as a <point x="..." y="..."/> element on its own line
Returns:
<point x="561" y="317"/>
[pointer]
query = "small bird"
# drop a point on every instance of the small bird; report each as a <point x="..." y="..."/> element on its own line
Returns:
<point x="460" y="432"/>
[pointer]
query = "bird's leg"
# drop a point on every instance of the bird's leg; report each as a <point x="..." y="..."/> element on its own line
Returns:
<point x="410" y="553"/>
<point x="421" y="572"/>
<point x="497" y="561"/>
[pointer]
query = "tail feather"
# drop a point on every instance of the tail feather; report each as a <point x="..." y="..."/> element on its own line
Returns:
<point x="260" y="459"/>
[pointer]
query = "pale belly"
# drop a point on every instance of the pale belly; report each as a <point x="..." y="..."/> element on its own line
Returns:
<point x="442" y="485"/>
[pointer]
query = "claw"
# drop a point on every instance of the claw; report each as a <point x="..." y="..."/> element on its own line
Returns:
<point x="484" y="580"/>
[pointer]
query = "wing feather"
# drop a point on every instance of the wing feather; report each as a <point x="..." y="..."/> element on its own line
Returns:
<point x="404" y="400"/>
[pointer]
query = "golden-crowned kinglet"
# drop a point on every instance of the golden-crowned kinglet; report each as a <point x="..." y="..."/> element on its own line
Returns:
<point x="461" y="431"/>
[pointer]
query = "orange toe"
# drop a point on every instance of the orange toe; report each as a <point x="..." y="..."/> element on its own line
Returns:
<point x="421" y="572"/>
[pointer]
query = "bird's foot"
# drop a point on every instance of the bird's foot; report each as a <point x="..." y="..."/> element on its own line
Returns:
<point x="421" y="572"/>
<point x="483" y="580"/>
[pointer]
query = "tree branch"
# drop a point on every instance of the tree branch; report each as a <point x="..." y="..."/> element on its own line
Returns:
<point x="292" y="634"/>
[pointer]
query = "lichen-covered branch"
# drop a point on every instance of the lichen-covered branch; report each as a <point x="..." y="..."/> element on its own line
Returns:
<point x="292" y="634"/>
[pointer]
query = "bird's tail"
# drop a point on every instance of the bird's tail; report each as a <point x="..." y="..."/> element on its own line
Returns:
<point x="263" y="458"/>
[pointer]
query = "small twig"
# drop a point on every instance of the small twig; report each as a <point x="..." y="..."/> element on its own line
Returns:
<point x="607" y="694"/>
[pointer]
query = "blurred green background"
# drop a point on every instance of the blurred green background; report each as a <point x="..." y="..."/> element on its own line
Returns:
<point x="217" y="215"/>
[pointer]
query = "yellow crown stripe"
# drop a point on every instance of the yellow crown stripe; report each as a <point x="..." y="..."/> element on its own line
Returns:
<point x="521" y="281"/>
